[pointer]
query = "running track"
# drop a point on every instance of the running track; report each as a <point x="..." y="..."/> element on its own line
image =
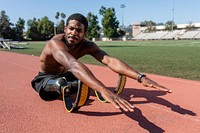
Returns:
<point x="21" y="109"/>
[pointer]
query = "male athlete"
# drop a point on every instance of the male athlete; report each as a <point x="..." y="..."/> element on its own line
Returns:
<point x="59" y="59"/>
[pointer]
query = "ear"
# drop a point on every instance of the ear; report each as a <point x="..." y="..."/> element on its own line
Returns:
<point x="65" y="28"/>
<point x="85" y="33"/>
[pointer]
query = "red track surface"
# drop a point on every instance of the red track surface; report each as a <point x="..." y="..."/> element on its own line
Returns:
<point x="21" y="109"/>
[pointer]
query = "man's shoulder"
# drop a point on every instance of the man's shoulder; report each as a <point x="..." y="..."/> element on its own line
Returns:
<point x="89" y="43"/>
<point x="90" y="46"/>
<point x="58" y="37"/>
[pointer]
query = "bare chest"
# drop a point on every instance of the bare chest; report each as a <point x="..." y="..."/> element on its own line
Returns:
<point x="78" y="52"/>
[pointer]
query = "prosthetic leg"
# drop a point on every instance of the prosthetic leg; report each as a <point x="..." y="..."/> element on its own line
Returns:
<point x="120" y="86"/>
<point x="74" y="93"/>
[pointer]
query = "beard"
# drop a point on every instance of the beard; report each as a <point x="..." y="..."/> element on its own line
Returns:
<point x="73" y="38"/>
<point x="72" y="41"/>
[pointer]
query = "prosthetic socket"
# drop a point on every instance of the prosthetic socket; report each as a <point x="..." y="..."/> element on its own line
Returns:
<point x="57" y="84"/>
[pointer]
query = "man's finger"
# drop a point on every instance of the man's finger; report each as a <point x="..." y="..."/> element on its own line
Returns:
<point x="115" y="104"/>
<point x="159" y="87"/>
<point x="166" y="89"/>
<point x="126" y="106"/>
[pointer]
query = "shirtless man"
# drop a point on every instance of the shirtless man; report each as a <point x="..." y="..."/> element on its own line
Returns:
<point x="59" y="59"/>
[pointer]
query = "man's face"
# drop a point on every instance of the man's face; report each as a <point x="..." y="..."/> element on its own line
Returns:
<point x="74" y="32"/>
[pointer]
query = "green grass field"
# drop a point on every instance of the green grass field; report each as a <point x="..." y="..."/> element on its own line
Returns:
<point x="179" y="58"/>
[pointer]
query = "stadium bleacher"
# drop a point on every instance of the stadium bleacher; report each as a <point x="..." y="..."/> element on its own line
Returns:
<point x="197" y="36"/>
<point x="189" y="34"/>
<point x="181" y="32"/>
<point x="155" y="35"/>
<point x="169" y="35"/>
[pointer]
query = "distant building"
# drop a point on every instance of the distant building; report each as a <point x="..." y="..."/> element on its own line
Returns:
<point x="137" y="28"/>
<point x="184" y="26"/>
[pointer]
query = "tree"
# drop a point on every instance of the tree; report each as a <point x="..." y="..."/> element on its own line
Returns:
<point x="32" y="31"/>
<point x="57" y="15"/>
<point x="190" y="26"/>
<point x="169" y="24"/>
<point x="57" y="18"/>
<point x="109" y="22"/>
<point x="63" y="15"/>
<point x="18" y="29"/>
<point x="160" y="23"/>
<point x="61" y="26"/>
<point x="93" y="27"/>
<point x="150" y="25"/>
<point x="45" y="28"/>
<point x="5" y="26"/>
<point x="121" y="32"/>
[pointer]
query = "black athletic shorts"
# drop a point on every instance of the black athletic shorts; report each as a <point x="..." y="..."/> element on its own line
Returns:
<point x="39" y="83"/>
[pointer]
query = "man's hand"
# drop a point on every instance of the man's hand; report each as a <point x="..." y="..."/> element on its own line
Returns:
<point x="117" y="101"/>
<point x="150" y="83"/>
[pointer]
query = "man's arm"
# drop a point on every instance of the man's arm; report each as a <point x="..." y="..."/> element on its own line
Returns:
<point x="79" y="70"/>
<point x="121" y="67"/>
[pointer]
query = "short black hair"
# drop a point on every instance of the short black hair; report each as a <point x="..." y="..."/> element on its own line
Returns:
<point x="79" y="17"/>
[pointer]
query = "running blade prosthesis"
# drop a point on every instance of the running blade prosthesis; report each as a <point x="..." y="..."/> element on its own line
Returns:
<point x="74" y="101"/>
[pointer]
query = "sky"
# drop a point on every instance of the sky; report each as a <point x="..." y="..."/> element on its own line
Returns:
<point x="135" y="11"/>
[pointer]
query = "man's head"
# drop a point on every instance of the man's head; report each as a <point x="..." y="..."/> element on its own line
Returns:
<point x="75" y="29"/>
<point x="79" y="17"/>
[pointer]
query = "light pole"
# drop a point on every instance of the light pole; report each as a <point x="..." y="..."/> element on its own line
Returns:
<point x="122" y="6"/>
<point x="54" y="29"/>
<point x="173" y="16"/>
